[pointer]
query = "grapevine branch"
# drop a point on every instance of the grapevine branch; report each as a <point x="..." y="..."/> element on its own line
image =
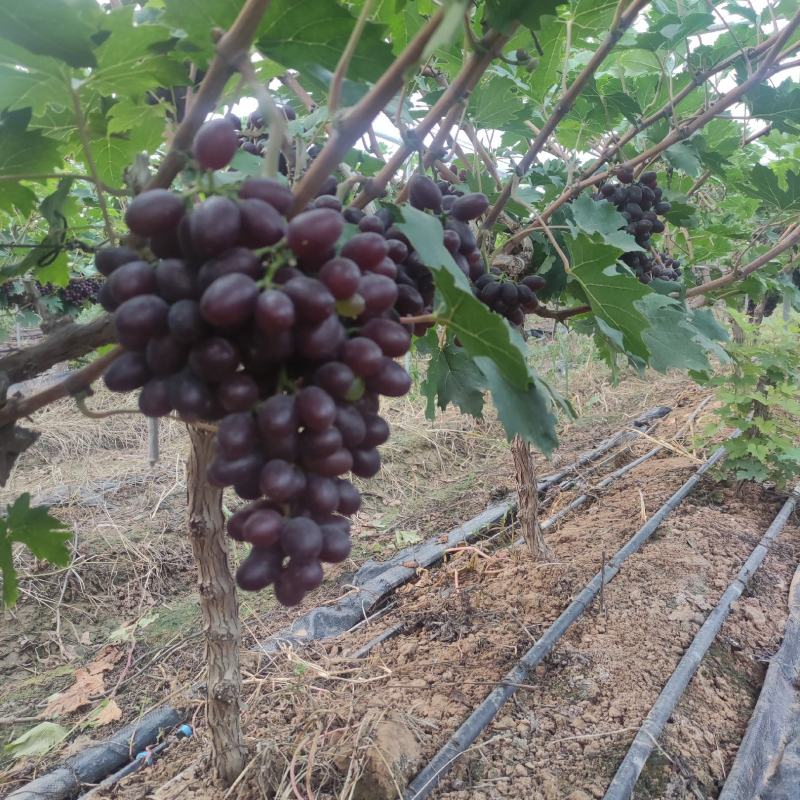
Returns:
<point x="565" y="313"/>
<point x="355" y="122"/>
<point x="75" y="382"/>
<point x="683" y="131"/>
<point x="232" y="47"/>
<point x="462" y="84"/>
<point x="783" y="244"/>
<point x="563" y="106"/>
<point x="335" y="93"/>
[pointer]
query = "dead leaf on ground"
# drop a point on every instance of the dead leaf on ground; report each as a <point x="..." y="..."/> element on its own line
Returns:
<point x="76" y="696"/>
<point x="105" y="660"/>
<point x="105" y="713"/>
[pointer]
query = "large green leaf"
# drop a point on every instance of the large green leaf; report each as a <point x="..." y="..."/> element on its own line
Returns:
<point x="779" y="105"/>
<point x="503" y="14"/>
<point x="61" y="29"/>
<point x="524" y="411"/>
<point x="480" y="331"/>
<point x="45" y="536"/>
<point x="314" y="33"/>
<point x="198" y="18"/>
<point x="494" y="102"/>
<point x="764" y="185"/>
<point x="23" y="151"/>
<point x="600" y="216"/>
<point x="609" y="292"/>
<point x="452" y="377"/>
<point x="28" y="80"/>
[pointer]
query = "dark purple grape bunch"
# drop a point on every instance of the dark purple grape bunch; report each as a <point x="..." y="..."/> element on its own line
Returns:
<point x="80" y="291"/>
<point x="641" y="203"/>
<point x="266" y="326"/>
<point x="498" y="291"/>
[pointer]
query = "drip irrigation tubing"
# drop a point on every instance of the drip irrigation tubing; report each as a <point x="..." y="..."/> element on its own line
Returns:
<point x="426" y="781"/>
<point x="374" y="581"/>
<point x="624" y="781"/>
<point x="97" y="761"/>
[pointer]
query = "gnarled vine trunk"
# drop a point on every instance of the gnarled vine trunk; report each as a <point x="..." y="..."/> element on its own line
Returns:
<point x="528" y="498"/>
<point x="220" y="609"/>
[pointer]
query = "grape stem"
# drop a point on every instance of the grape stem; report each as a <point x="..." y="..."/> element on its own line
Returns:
<point x="564" y="104"/>
<point x="80" y="402"/>
<point x="74" y="383"/>
<point x="566" y="313"/>
<point x="335" y="92"/>
<point x="422" y="318"/>
<point x="351" y="126"/>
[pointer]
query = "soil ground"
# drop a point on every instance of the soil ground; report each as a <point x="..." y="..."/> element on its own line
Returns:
<point x="322" y="723"/>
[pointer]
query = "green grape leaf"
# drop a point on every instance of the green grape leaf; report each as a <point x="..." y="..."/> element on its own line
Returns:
<point x="16" y="196"/>
<point x="524" y="411"/>
<point x="504" y="14"/>
<point x="28" y="80"/>
<point x="197" y="18"/>
<point x="61" y="30"/>
<point x="494" y="102"/>
<point x="610" y="293"/>
<point x="764" y="185"/>
<point x="304" y="35"/>
<point x="25" y="152"/>
<point x="779" y="105"/>
<point x="37" y="741"/>
<point x="45" y="536"/>
<point x="600" y="216"/>
<point x="684" y="156"/>
<point x="452" y="377"/>
<point x="480" y="331"/>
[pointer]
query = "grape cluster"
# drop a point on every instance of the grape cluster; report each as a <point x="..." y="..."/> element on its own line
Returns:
<point x="259" y="323"/>
<point x="80" y="291"/>
<point x="496" y="290"/>
<point x="641" y="203"/>
<point x="252" y="137"/>
<point x="77" y="292"/>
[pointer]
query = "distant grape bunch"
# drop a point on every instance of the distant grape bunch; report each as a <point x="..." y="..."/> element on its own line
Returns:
<point x="641" y="203"/>
<point x="253" y="136"/>
<point x="496" y="290"/>
<point x="77" y="293"/>
<point x="258" y="323"/>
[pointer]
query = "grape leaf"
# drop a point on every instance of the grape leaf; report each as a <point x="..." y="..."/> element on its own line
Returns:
<point x="25" y="152"/>
<point x="504" y="14"/>
<point x="610" y="293"/>
<point x="62" y="30"/>
<point x="452" y="377"/>
<point x="197" y="18"/>
<point x="527" y="412"/>
<point x="779" y="105"/>
<point x="764" y="185"/>
<point x="28" y="80"/>
<point x="684" y="156"/>
<point x="37" y="741"/>
<point x="45" y="536"/>
<point x="600" y="216"/>
<point x="480" y="331"/>
<point x="302" y="35"/>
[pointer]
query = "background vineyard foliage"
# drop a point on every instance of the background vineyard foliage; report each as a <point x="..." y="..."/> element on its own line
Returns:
<point x="90" y="100"/>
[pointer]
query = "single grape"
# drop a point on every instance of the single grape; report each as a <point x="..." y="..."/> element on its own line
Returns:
<point x="165" y="355"/>
<point x="154" y="211"/>
<point x="215" y="226"/>
<point x="262" y="528"/>
<point x="377" y="431"/>
<point x="215" y="143"/>
<point x="311" y="298"/>
<point x="107" y="259"/>
<point x="238" y="392"/>
<point x="366" y="249"/>
<point x="341" y="276"/>
<point x="470" y="206"/>
<point x="301" y="538"/>
<point x="126" y="373"/>
<point x="424" y="194"/>
<point x="332" y="465"/>
<point x="281" y="480"/>
<point x="370" y="223"/>
<point x="366" y="462"/>
<point x="139" y="319"/>
<point x="335" y="378"/>
<point x="315" y="408"/>
<point x="237" y="259"/>
<point x="192" y="397"/>
<point x="335" y="544"/>
<point x="175" y="280"/>
<point x="320" y="341"/>
<point x="391" y="380"/>
<point x="317" y="444"/>
<point x="262" y="225"/>
<point x="258" y="570"/>
<point x="349" y="498"/>
<point x="214" y="358"/>
<point x="287" y="591"/>
<point x="312" y="233"/>
<point x="393" y="339"/>
<point x="328" y="201"/>
<point x="270" y="191"/>
<point x="321" y="495"/>
<point x="185" y="322"/>
<point x="378" y="291"/>
<point x="625" y="174"/>
<point x="229" y="301"/>
<point x="277" y="416"/>
<point x="132" y="279"/>
<point x="306" y="575"/>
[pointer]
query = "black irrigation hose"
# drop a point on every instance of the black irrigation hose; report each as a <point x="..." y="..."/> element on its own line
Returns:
<point x="426" y="781"/>
<point x="375" y="580"/>
<point x="621" y="787"/>
<point x="97" y="761"/>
